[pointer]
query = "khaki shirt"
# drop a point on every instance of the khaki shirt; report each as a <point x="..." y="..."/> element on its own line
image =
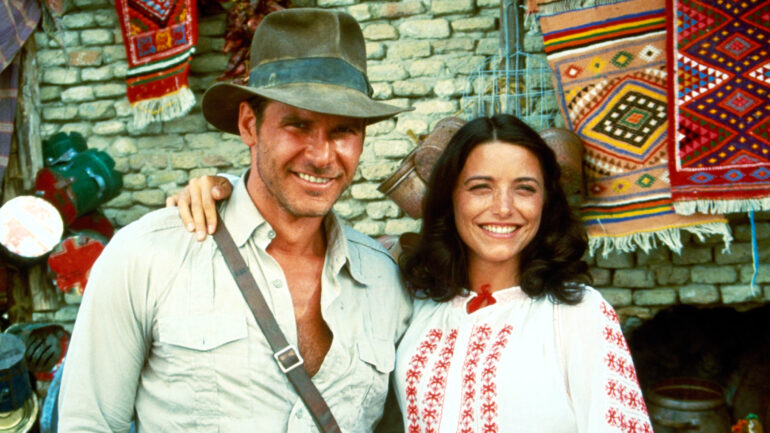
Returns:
<point x="163" y="335"/>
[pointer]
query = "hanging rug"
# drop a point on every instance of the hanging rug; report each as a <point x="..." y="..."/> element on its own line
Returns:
<point x="159" y="37"/>
<point x="718" y="137"/>
<point x="610" y="75"/>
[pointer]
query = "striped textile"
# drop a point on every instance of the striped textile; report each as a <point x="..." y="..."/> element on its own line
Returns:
<point x="720" y="130"/>
<point x="9" y="85"/>
<point x="159" y="37"/>
<point x="609" y="64"/>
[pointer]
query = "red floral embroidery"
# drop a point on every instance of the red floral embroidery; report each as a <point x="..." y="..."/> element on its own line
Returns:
<point x="478" y="341"/>
<point x="434" y="397"/>
<point x="489" y="381"/>
<point x="413" y="374"/>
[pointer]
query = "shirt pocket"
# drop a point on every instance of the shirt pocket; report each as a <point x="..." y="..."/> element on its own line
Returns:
<point x="195" y="346"/>
<point x="377" y="358"/>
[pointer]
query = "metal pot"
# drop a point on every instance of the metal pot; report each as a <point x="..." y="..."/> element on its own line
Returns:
<point x="688" y="404"/>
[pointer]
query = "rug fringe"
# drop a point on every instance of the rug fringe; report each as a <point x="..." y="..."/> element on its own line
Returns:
<point x="689" y="207"/>
<point x="670" y="237"/>
<point x="167" y="107"/>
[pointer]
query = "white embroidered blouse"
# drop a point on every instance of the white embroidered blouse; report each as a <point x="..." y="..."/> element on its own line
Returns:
<point x="519" y="365"/>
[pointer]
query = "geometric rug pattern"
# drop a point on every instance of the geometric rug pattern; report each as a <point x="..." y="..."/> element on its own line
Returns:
<point x="720" y="57"/>
<point x="609" y="66"/>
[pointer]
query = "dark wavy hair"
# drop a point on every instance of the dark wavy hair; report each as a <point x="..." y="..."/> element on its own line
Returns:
<point x="551" y="265"/>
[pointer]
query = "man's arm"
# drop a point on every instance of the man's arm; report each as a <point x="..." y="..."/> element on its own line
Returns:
<point x="197" y="202"/>
<point x="109" y="344"/>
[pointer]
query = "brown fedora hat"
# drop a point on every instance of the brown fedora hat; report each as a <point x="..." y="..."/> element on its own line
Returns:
<point x="314" y="59"/>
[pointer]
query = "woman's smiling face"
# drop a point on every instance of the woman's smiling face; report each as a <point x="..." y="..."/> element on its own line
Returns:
<point x="498" y="202"/>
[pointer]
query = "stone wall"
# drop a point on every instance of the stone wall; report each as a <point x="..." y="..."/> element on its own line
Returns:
<point x="421" y="54"/>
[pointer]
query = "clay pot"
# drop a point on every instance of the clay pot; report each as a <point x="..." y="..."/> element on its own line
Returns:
<point x="688" y="404"/>
<point x="569" y="154"/>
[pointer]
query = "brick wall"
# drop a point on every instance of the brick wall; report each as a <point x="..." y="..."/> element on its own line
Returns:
<point x="421" y="54"/>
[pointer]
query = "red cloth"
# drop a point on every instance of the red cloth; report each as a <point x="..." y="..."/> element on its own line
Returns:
<point x="483" y="298"/>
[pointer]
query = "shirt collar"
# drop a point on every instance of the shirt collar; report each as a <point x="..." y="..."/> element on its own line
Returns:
<point x="244" y="221"/>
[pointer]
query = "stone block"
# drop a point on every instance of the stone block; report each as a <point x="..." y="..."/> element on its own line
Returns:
<point x="698" y="294"/>
<point x="656" y="256"/>
<point x="84" y="129"/>
<point x="393" y="148"/>
<point x="89" y="4"/>
<point x="713" y="274"/>
<point x="693" y="255"/>
<point x="369" y="227"/>
<point x="151" y="197"/>
<point x="633" y="278"/>
<point x="70" y="39"/>
<point x="185" y="160"/>
<point x="85" y="58"/>
<point x="49" y="93"/>
<point x="454" y="44"/>
<point x="435" y="107"/>
<point x="96" y="110"/>
<point x="665" y="296"/>
<point x="399" y="9"/>
<point x="409" y="49"/>
<point x="386" y="72"/>
<point x="209" y="63"/>
<point x="205" y="171"/>
<point x="97" y="37"/>
<point x="106" y="18"/>
<point x="109" y="90"/>
<point x="763" y="273"/>
<point x="488" y="3"/>
<point x="123" y="217"/>
<point x="417" y="87"/>
<point x="739" y="253"/>
<point x="360" y="12"/>
<point x="382" y="209"/>
<point x="148" y="162"/>
<point x="426" y="67"/>
<point x="733" y="294"/>
<point x="207" y="45"/>
<point x="60" y="76"/>
<point x="464" y="64"/>
<point x="113" y="53"/>
<point x="380" y="32"/>
<point x="415" y="125"/>
<point x="425" y="29"/>
<point x="668" y="275"/>
<point x="154" y="142"/>
<point x="76" y="21"/>
<point x="378" y="171"/>
<point x="600" y="277"/>
<point x="212" y="26"/>
<point x="123" y="199"/>
<point x="165" y="177"/>
<point x="49" y="58"/>
<point x="151" y="129"/>
<point x="488" y="47"/>
<point x="192" y="122"/>
<point x="119" y="69"/>
<point x="206" y="140"/>
<point x="135" y="181"/>
<point x="78" y="94"/>
<point x="334" y="3"/>
<point x="742" y="232"/>
<point x="375" y="50"/>
<point x="533" y="43"/>
<point x="617" y="297"/>
<point x="121" y="164"/>
<point x="381" y="90"/>
<point x="123" y="146"/>
<point x="402" y="225"/>
<point x="380" y="128"/>
<point x="104" y="73"/>
<point x="366" y="191"/>
<point x="349" y="209"/>
<point x="615" y="260"/>
<point x="449" y="88"/>
<point x="67" y="112"/>
<point x="47" y="130"/>
<point x="215" y="160"/>
<point x="443" y="7"/>
<point x="475" y="24"/>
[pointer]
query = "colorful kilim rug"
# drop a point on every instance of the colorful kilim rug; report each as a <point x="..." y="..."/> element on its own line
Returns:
<point x="159" y="37"/>
<point x="719" y="137"/>
<point x="610" y="75"/>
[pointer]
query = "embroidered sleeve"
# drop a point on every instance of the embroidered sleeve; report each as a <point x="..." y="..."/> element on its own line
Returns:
<point x="605" y="392"/>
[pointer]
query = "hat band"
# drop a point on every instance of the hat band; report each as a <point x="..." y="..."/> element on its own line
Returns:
<point x="323" y="70"/>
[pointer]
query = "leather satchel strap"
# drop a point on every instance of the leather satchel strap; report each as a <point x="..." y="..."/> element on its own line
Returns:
<point x="287" y="356"/>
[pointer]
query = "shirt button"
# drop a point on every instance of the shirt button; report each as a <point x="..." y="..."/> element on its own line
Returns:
<point x="271" y="234"/>
<point x="277" y="283"/>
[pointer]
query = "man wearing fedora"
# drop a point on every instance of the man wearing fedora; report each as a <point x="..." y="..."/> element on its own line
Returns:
<point x="164" y="337"/>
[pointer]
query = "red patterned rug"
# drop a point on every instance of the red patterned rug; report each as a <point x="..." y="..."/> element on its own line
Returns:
<point x="719" y="143"/>
<point x="159" y="37"/>
<point x="610" y="76"/>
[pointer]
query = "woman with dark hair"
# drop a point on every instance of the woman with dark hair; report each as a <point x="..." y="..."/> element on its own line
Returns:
<point x="505" y="335"/>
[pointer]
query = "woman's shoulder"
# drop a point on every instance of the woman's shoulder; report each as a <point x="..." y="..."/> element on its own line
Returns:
<point x="592" y="304"/>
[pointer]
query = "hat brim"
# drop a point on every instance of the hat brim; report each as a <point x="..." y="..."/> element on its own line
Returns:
<point x="220" y="102"/>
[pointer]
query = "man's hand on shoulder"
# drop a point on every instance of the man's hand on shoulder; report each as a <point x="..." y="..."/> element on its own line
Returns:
<point x="197" y="203"/>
